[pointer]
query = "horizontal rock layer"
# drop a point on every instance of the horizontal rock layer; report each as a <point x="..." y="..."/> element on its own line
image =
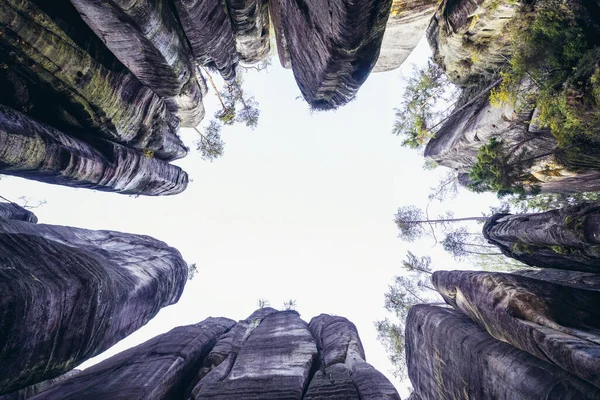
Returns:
<point x="333" y="46"/>
<point x="69" y="293"/>
<point x="451" y="357"/>
<point x="36" y="151"/>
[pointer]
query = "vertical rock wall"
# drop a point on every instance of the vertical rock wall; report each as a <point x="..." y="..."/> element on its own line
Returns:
<point x="69" y="293"/>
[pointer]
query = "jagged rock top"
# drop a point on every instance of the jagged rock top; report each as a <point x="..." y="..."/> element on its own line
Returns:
<point x="16" y="212"/>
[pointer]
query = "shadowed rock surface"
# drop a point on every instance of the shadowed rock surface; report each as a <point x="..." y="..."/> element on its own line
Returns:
<point x="16" y="212"/>
<point x="250" y="20"/>
<point x="405" y="28"/>
<point x="156" y="51"/>
<point x="343" y="372"/>
<point x="157" y="369"/>
<point x="451" y="357"/>
<point x="115" y="105"/>
<point x="32" y="390"/>
<point x="333" y="45"/>
<point x="281" y="43"/>
<point x="558" y="323"/>
<point x="210" y="33"/>
<point x="36" y="151"/>
<point x="270" y="355"/>
<point x="567" y="238"/>
<point x="69" y="293"/>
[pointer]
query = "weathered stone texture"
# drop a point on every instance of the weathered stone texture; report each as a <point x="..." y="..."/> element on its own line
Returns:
<point x="69" y="293"/>
<point x="115" y="105"/>
<point x="208" y="28"/>
<point x="283" y="50"/>
<point x="16" y="212"/>
<point x="558" y="323"/>
<point x="451" y="357"/>
<point x="250" y="20"/>
<point x="333" y="45"/>
<point x="32" y="150"/>
<point x="157" y="369"/>
<point x="470" y="40"/>
<point x="405" y="28"/>
<point x="567" y="238"/>
<point x="32" y="390"/>
<point x="272" y="360"/>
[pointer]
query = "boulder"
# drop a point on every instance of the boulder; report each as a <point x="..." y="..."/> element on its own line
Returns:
<point x="36" y="151"/>
<point x="69" y="293"/>
<point x="451" y="357"/>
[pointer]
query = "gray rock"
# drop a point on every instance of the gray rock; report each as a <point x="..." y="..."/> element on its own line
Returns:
<point x="36" y="151"/>
<point x="405" y="28"/>
<point x="271" y="360"/>
<point x="16" y="212"/>
<point x="450" y="357"/>
<point x="250" y="20"/>
<point x="112" y="104"/>
<point x="557" y="323"/>
<point x="567" y="238"/>
<point x="69" y="293"/>
<point x="32" y="390"/>
<point x="283" y="50"/>
<point x="208" y="28"/>
<point x="157" y="369"/>
<point x="333" y="45"/>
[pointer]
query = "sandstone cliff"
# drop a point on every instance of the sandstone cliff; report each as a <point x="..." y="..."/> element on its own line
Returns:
<point x="69" y="293"/>
<point x="270" y="355"/>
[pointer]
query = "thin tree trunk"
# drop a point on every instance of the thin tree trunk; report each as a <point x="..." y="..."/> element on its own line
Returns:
<point x="438" y="221"/>
<point x="214" y="86"/>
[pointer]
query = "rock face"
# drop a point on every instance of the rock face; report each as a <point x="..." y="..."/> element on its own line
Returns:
<point x="157" y="369"/>
<point x="563" y="239"/>
<point x="70" y="293"/>
<point x="37" y="151"/>
<point x="250" y="20"/>
<point x="451" y="357"/>
<point x="17" y="213"/>
<point x="469" y="38"/>
<point x="406" y="26"/>
<point x="555" y="322"/>
<point x="32" y="390"/>
<point x="333" y="46"/>
<point x="270" y="355"/>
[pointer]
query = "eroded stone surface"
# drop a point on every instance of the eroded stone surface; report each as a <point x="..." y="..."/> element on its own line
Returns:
<point x="36" y="151"/>
<point x="250" y="20"/>
<point x="451" y="357"/>
<point x="69" y="293"/>
<point x="558" y="323"/>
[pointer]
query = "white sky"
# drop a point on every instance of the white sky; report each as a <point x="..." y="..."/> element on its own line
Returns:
<point x="300" y="208"/>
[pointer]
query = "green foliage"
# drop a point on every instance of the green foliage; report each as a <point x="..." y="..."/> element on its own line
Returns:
<point x="547" y="201"/>
<point x="262" y="303"/>
<point x="289" y="305"/>
<point x="210" y="145"/>
<point x="192" y="270"/>
<point x="520" y="247"/>
<point x="427" y="89"/>
<point x="501" y="169"/>
<point x="561" y="250"/>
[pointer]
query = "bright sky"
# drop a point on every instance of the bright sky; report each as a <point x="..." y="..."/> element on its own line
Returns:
<point x="300" y="208"/>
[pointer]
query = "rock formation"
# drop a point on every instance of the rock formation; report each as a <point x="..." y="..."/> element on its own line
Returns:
<point x="567" y="238"/>
<point x="17" y="213"/>
<point x="250" y="19"/>
<point x="451" y="357"/>
<point x="406" y="26"/>
<point x="270" y="355"/>
<point x="36" y="151"/>
<point x="32" y="390"/>
<point x="69" y="293"/>
<point x="340" y="45"/>
<point x="555" y="322"/>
